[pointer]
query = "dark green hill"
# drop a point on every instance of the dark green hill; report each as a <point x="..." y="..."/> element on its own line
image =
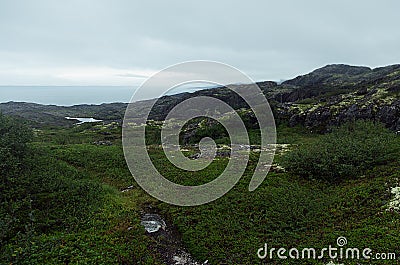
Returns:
<point x="51" y="115"/>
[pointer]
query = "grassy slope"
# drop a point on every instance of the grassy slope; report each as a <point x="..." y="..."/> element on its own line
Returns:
<point x="79" y="214"/>
<point x="284" y="212"/>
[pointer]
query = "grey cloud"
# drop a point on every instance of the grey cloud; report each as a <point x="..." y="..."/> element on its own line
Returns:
<point x="266" y="39"/>
<point x="132" y="75"/>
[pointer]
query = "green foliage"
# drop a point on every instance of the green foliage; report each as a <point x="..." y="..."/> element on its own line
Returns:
<point x="54" y="208"/>
<point x="293" y="135"/>
<point x="287" y="211"/>
<point x="66" y="206"/>
<point x="14" y="202"/>
<point x="231" y="229"/>
<point x="102" y="238"/>
<point x="14" y="136"/>
<point x="207" y="127"/>
<point x="153" y="135"/>
<point x="307" y="101"/>
<point x="79" y="134"/>
<point x="198" y="128"/>
<point x="344" y="153"/>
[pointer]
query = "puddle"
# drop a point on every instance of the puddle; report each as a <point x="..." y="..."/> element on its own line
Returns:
<point x="153" y="223"/>
<point x="167" y="241"/>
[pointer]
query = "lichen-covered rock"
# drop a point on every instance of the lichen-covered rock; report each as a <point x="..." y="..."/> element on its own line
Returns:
<point x="394" y="204"/>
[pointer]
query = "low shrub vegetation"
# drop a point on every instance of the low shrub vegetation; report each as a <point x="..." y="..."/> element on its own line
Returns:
<point x="346" y="152"/>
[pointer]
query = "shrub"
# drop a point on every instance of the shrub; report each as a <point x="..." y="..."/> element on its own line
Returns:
<point x="346" y="152"/>
<point x="14" y="136"/>
<point x="38" y="192"/>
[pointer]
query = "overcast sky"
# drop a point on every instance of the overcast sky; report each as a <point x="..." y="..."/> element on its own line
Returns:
<point x="81" y="42"/>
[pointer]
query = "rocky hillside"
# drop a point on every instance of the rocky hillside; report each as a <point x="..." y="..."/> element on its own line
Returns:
<point x="338" y="93"/>
<point x="327" y="96"/>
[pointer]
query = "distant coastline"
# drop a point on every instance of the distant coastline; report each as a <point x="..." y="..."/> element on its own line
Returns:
<point x="74" y="95"/>
<point x="66" y="95"/>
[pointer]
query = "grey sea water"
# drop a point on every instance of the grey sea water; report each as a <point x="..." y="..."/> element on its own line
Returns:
<point x="66" y="95"/>
<point x="73" y="95"/>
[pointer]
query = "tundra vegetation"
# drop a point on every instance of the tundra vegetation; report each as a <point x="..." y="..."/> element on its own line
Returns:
<point x="61" y="199"/>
